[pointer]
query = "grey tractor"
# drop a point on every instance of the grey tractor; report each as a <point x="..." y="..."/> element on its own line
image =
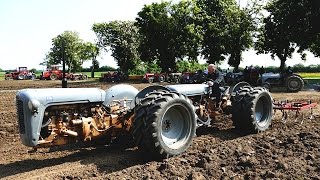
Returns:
<point x="161" y="119"/>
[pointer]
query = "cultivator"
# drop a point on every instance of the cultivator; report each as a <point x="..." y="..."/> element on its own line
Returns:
<point x="298" y="108"/>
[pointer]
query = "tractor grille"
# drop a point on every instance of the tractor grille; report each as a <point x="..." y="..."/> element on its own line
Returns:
<point x="20" y="113"/>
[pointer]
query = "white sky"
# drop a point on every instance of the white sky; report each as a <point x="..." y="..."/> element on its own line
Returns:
<point x="27" y="27"/>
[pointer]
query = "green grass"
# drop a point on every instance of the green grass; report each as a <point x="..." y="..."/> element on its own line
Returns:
<point x="310" y="75"/>
<point x="2" y="75"/>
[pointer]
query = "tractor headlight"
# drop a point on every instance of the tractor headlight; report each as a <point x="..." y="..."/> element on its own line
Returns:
<point x="33" y="105"/>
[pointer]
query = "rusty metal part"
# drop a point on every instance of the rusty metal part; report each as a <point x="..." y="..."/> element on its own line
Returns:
<point x="66" y="124"/>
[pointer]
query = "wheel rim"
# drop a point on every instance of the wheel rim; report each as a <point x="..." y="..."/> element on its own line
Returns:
<point x="176" y="126"/>
<point x="161" y="78"/>
<point x="262" y="111"/>
<point x="293" y="84"/>
<point x="53" y="77"/>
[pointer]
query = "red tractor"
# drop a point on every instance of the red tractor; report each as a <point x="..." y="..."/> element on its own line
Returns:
<point x="53" y="73"/>
<point x="21" y="74"/>
<point x="154" y="77"/>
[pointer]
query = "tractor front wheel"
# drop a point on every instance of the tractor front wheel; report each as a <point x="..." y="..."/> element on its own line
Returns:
<point x="53" y="76"/>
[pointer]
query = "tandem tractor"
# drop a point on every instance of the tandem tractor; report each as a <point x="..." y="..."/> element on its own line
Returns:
<point x="162" y="119"/>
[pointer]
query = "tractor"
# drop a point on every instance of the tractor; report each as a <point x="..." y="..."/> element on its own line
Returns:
<point x="291" y="81"/>
<point x="22" y="73"/>
<point x="55" y="72"/>
<point x="161" y="119"/>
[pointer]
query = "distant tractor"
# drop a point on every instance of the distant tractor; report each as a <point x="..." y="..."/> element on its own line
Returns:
<point x="52" y="73"/>
<point x="21" y="74"/>
<point x="162" y="77"/>
<point x="153" y="77"/>
<point x="78" y="76"/>
<point x="115" y="76"/>
<point x="55" y="73"/>
<point x="292" y="82"/>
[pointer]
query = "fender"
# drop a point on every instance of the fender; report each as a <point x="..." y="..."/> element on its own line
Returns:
<point x="121" y="91"/>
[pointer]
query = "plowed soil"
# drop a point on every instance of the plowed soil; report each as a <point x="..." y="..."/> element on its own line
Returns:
<point x="289" y="150"/>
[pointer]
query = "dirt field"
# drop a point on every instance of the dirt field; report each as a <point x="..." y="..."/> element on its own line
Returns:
<point x="288" y="150"/>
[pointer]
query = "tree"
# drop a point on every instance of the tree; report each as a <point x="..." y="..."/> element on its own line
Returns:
<point x="185" y="66"/>
<point x="189" y="36"/>
<point x="67" y="45"/>
<point x="169" y="33"/>
<point x="239" y="38"/>
<point x="214" y="22"/>
<point x="302" y="21"/>
<point x="290" y="25"/>
<point x="156" y="29"/>
<point x="227" y="30"/>
<point x="90" y="51"/>
<point x="274" y="36"/>
<point x="122" y="38"/>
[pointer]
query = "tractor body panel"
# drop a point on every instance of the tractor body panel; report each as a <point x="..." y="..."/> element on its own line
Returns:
<point x="32" y="103"/>
<point x="190" y="89"/>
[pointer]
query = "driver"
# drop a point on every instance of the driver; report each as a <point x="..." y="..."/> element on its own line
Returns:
<point x="217" y="81"/>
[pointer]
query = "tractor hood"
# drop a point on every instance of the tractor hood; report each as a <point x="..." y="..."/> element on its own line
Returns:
<point x="189" y="89"/>
<point x="54" y="96"/>
<point x="266" y="76"/>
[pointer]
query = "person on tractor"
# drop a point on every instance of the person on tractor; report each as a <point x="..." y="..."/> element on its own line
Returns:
<point x="289" y="71"/>
<point x="216" y="80"/>
<point x="262" y="71"/>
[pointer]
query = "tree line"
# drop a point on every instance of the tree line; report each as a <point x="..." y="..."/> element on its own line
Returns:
<point x="165" y="35"/>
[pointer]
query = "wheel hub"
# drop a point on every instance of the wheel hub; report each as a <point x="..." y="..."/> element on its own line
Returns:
<point x="293" y="84"/>
<point x="175" y="126"/>
<point x="166" y="125"/>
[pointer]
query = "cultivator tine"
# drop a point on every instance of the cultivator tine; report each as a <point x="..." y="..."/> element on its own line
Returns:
<point x="285" y="107"/>
<point x="284" y="116"/>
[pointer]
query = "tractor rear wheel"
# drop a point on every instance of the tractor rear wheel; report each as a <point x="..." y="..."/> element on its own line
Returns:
<point x="164" y="124"/>
<point x="294" y="83"/>
<point x="53" y="76"/>
<point x="252" y="110"/>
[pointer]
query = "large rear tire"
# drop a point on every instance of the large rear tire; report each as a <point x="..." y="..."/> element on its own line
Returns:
<point x="252" y="110"/>
<point x="294" y="83"/>
<point x="164" y="124"/>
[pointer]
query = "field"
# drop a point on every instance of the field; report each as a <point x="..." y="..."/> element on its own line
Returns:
<point x="289" y="150"/>
<point x="2" y="75"/>
<point x="310" y="75"/>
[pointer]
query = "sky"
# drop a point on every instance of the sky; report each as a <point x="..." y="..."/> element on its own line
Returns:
<point x="27" y="28"/>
